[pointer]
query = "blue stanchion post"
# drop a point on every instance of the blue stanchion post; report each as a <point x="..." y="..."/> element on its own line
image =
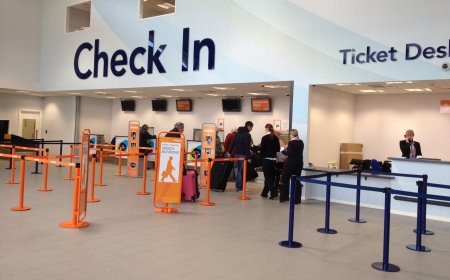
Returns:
<point x="357" y="219"/>
<point x="423" y="203"/>
<point x="385" y="265"/>
<point x="327" y="229"/>
<point x="290" y="243"/>
<point x="418" y="246"/>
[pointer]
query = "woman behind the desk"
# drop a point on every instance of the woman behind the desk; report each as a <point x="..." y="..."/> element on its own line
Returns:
<point x="409" y="147"/>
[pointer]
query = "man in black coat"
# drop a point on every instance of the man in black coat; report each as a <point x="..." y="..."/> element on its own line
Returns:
<point x="144" y="136"/>
<point x="409" y="147"/>
<point x="178" y="127"/>
<point x="241" y="145"/>
<point x="293" y="166"/>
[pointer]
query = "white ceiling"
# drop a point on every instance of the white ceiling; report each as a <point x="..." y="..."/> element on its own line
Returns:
<point x="269" y="89"/>
<point x="394" y="87"/>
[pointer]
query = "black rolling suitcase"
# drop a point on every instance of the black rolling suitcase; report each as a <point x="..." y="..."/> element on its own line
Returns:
<point x="220" y="171"/>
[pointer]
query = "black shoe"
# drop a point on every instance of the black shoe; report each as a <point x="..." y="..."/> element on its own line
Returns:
<point x="273" y="197"/>
<point x="264" y="195"/>
<point x="282" y="201"/>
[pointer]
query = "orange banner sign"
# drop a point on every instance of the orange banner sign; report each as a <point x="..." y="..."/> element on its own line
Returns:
<point x="445" y="107"/>
<point x="208" y="149"/>
<point x="133" y="147"/>
<point x="84" y="182"/>
<point x="169" y="170"/>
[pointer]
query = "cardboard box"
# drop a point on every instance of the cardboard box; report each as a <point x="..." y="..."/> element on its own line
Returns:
<point x="351" y="147"/>
<point x="346" y="158"/>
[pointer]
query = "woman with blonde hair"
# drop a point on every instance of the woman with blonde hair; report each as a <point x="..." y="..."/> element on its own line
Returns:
<point x="293" y="166"/>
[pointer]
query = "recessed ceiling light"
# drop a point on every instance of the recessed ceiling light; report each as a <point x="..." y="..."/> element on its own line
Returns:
<point x="223" y="88"/>
<point x="74" y="93"/>
<point x="130" y="91"/>
<point x="274" y="86"/>
<point x="180" y="89"/>
<point x="165" y="95"/>
<point x="414" y="89"/>
<point x="428" y="89"/>
<point x="22" y="91"/>
<point x="371" y="90"/>
<point x="112" y="97"/>
<point x="136" y="96"/>
<point x="213" y="94"/>
<point x="164" y="6"/>
<point x="34" y="94"/>
<point x="100" y="92"/>
<point x="170" y="5"/>
<point x="257" y="93"/>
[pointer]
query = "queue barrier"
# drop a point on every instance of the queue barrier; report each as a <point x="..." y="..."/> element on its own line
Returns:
<point x="243" y="196"/>
<point x="421" y="194"/>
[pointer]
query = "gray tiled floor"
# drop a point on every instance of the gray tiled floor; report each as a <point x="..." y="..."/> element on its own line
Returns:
<point x="233" y="240"/>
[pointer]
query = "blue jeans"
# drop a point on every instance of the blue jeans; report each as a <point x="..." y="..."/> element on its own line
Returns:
<point x="239" y="170"/>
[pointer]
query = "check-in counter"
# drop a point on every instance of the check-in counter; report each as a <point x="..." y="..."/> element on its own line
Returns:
<point x="438" y="172"/>
<point x="345" y="195"/>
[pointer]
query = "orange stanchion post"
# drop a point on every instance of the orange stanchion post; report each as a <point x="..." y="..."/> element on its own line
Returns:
<point x="21" y="207"/>
<point x="144" y="177"/>
<point x="195" y="161"/>
<point x="92" y="199"/>
<point x="13" y="167"/>
<point x="208" y="187"/>
<point x="69" y="175"/>
<point x="44" y="188"/>
<point x="244" y="183"/>
<point x="74" y="223"/>
<point x="120" y="166"/>
<point x="100" y="183"/>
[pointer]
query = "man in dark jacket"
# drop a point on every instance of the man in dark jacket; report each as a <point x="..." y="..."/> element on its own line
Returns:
<point x="144" y="136"/>
<point x="178" y="127"/>
<point x="241" y="145"/>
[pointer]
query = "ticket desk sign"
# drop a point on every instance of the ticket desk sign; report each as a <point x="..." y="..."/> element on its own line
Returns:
<point x="169" y="173"/>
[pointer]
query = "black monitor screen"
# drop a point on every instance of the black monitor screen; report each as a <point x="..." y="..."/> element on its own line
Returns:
<point x="159" y="105"/>
<point x="231" y="105"/>
<point x="127" y="105"/>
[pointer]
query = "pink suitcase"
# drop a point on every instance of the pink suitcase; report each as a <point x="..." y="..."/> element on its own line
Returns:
<point x="189" y="186"/>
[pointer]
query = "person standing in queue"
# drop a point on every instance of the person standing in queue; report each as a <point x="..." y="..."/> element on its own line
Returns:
<point x="293" y="166"/>
<point x="144" y="137"/>
<point x="270" y="145"/>
<point x="178" y="127"/>
<point x="409" y="147"/>
<point x="241" y="145"/>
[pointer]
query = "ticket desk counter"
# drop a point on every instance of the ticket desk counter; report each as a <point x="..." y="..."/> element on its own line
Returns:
<point x="399" y="205"/>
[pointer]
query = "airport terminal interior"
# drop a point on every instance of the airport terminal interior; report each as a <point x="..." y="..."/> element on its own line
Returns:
<point x="91" y="85"/>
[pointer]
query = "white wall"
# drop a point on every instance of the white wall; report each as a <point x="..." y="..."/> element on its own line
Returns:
<point x="95" y="114"/>
<point x="20" y="30"/>
<point x="378" y="122"/>
<point x="59" y="120"/>
<point x="205" y="110"/>
<point x="331" y="122"/>
<point x="10" y="104"/>
<point x="381" y="122"/>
